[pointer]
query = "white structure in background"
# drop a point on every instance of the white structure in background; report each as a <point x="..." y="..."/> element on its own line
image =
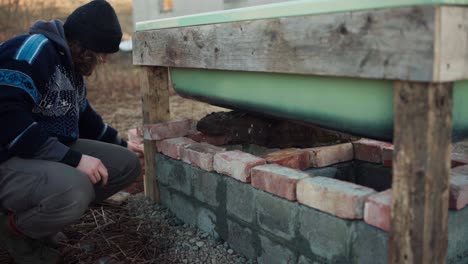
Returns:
<point x="155" y="9"/>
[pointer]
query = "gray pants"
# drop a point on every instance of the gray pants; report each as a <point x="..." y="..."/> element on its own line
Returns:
<point x="46" y="196"/>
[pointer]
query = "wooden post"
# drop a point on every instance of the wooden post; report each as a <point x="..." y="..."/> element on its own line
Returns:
<point x="422" y="140"/>
<point x="155" y="101"/>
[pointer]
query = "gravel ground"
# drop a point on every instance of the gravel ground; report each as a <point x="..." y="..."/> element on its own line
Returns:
<point x="182" y="243"/>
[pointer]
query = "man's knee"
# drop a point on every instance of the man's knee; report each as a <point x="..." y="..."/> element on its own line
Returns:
<point x="71" y="202"/>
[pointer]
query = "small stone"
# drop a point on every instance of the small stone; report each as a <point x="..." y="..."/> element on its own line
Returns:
<point x="195" y="248"/>
<point x="192" y="240"/>
<point x="185" y="261"/>
<point x="230" y="251"/>
<point x="203" y="235"/>
<point x="226" y="245"/>
<point x="200" y="244"/>
<point x="189" y="233"/>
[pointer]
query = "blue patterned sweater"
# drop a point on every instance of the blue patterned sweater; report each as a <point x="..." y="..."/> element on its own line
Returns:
<point x="43" y="105"/>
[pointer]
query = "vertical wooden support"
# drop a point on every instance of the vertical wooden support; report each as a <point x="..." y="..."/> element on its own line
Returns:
<point x="422" y="140"/>
<point x="155" y="101"/>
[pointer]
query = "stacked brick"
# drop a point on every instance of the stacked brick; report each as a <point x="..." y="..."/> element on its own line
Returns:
<point x="282" y="174"/>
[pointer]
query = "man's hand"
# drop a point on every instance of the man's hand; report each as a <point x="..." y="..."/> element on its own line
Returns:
<point x="136" y="148"/>
<point x="94" y="169"/>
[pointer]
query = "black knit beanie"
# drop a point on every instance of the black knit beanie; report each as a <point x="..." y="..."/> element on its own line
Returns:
<point x="95" y="26"/>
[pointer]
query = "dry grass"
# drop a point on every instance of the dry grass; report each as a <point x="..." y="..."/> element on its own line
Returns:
<point x="113" y="89"/>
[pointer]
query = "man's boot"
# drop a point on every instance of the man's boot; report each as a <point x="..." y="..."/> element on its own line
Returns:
<point x="25" y="250"/>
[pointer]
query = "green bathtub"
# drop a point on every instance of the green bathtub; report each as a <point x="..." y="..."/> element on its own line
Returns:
<point x="354" y="104"/>
<point x="357" y="106"/>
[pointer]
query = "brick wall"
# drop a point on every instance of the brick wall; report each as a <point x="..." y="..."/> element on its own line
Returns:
<point x="320" y="205"/>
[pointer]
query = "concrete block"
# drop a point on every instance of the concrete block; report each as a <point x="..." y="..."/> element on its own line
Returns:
<point x="276" y="179"/>
<point x="328" y="155"/>
<point x="369" y="150"/>
<point x="324" y="235"/>
<point x="304" y="260"/>
<point x="377" y="209"/>
<point x="275" y="253"/>
<point x="163" y="168"/>
<point x="183" y="208"/>
<point x="200" y="155"/>
<point x="179" y="177"/>
<point x="457" y="249"/>
<point x="213" y="140"/>
<point x="291" y="158"/>
<point x="206" y="221"/>
<point x="459" y="159"/>
<point x="236" y="164"/>
<point x="205" y="185"/>
<point x="458" y="198"/>
<point x="241" y="239"/>
<point x="165" y="196"/>
<point x="369" y="244"/>
<point x="170" y="129"/>
<point x="387" y="156"/>
<point x="135" y="135"/>
<point x="339" y="198"/>
<point x="172" y="147"/>
<point x="240" y="200"/>
<point x="276" y="215"/>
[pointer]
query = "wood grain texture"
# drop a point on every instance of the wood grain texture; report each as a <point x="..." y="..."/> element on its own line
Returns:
<point x="421" y="165"/>
<point x="155" y="103"/>
<point x="451" y="44"/>
<point x="382" y="44"/>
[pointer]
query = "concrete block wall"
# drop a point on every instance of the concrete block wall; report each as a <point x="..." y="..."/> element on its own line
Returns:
<point x="271" y="229"/>
<point x="262" y="220"/>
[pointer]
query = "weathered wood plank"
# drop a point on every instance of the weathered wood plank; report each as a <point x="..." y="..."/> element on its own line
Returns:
<point x="451" y="44"/>
<point x="421" y="164"/>
<point x="383" y="44"/>
<point x="155" y="100"/>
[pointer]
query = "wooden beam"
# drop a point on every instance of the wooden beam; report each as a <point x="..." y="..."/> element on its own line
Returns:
<point x="451" y="44"/>
<point x="155" y="99"/>
<point x="383" y="44"/>
<point x="422" y="140"/>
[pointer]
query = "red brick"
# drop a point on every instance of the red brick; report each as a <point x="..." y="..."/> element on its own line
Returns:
<point x="236" y="164"/>
<point x="171" y="147"/>
<point x="136" y="187"/>
<point x="369" y="150"/>
<point x="291" y="158"/>
<point x="339" y="198"/>
<point x="458" y="191"/>
<point x="134" y="135"/>
<point x="377" y="209"/>
<point x="459" y="159"/>
<point x="387" y="156"/>
<point x="277" y="180"/>
<point x="328" y="155"/>
<point x="213" y="140"/>
<point x="171" y="129"/>
<point x="200" y="155"/>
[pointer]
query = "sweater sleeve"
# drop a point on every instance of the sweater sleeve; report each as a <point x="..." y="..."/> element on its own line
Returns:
<point x="23" y="137"/>
<point x="93" y="127"/>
